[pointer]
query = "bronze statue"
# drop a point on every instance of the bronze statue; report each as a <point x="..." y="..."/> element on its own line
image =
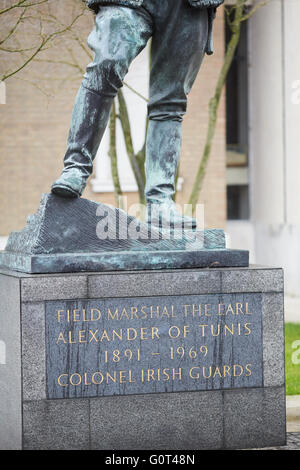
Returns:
<point x="181" y="32"/>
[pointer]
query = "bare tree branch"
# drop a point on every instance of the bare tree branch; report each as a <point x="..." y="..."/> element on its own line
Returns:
<point x="137" y="168"/>
<point x="136" y="92"/>
<point x="253" y="10"/>
<point x="14" y="28"/>
<point x="45" y="39"/>
<point x="113" y="154"/>
<point x="22" y="4"/>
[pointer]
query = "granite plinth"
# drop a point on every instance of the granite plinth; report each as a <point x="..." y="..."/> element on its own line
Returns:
<point x="224" y="415"/>
<point x="76" y="235"/>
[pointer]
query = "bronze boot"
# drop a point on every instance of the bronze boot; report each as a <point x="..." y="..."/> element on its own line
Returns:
<point x="89" y="120"/>
<point x="162" y="157"/>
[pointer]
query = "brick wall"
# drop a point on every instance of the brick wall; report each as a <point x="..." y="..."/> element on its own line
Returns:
<point x="34" y="128"/>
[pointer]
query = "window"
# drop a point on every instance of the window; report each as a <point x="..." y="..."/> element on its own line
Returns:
<point x="237" y="131"/>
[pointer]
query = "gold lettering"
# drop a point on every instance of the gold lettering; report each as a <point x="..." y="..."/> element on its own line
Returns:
<point x="217" y="371"/>
<point x="152" y="314"/>
<point x="61" y="338"/>
<point x="206" y="376"/>
<point x="207" y="310"/>
<point x="186" y="330"/>
<point x="112" y="378"/>
<point x="122" y="376"/>
<point x="98" y="314"/>
<point x="72" y="379"/>
<point x="186" y="309"/>
<point x="59" y="315"/>
<point x="82" y="336"/>
<point x="124" y="314"/>
<point x="212" y="330"/>
<point x="145" y="314"/>
<point x="226" y="328"/>
<point x="70" y="338"/>
<point x="177" y="331"/>
<point x="155" y="332"/>
<point x="238" y="308"/>
<point x="134" y="334"/>
<point x="59" y="380"/>
<point x="119" y="335"/>
<point x="113" y="316"/>
<point x="247" y="309"/>
<point x="229" y="309"/>
<point x="144" y="333"/>
<point x="76" y="315"/>
<point x="134" y="313"/>
<point x="131" y="380"/>
<point x="85" y="380"/>
<point x="165" y="312"/>
<point x="94" y="380"/>
<point x="93" y="335"/>
<point x="219" y="309"/>
<point x="235" y="374"/>
<point x="83" y="315"/>
<point x="191" y="372"/>
<point x="203" y="329"/>
<point x="150" y="374"/>
<point x="104" y="336"/>
<point x="197" y="310"/>
<point x="177" y="373"/>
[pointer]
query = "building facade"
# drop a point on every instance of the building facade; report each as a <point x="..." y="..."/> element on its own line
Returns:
<point x="35" y="128"/>
<point x="272" y="231"/>
<point x="251" y="187"/>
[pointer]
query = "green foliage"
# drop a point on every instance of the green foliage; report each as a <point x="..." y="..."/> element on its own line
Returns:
<point x="292" y="370"/>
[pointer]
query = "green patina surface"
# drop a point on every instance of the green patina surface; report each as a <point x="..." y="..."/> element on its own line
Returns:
<point x="180" y="37"/>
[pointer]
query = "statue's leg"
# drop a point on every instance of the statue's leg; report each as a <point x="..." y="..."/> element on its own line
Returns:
<point x="119" y="35"/>
<point x="178" y="47"/>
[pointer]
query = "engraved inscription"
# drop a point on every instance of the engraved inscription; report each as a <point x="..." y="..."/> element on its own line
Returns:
<point x="160" y="344"/>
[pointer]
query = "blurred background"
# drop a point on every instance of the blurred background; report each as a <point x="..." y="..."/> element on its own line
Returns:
<point x="251" y="187"/>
